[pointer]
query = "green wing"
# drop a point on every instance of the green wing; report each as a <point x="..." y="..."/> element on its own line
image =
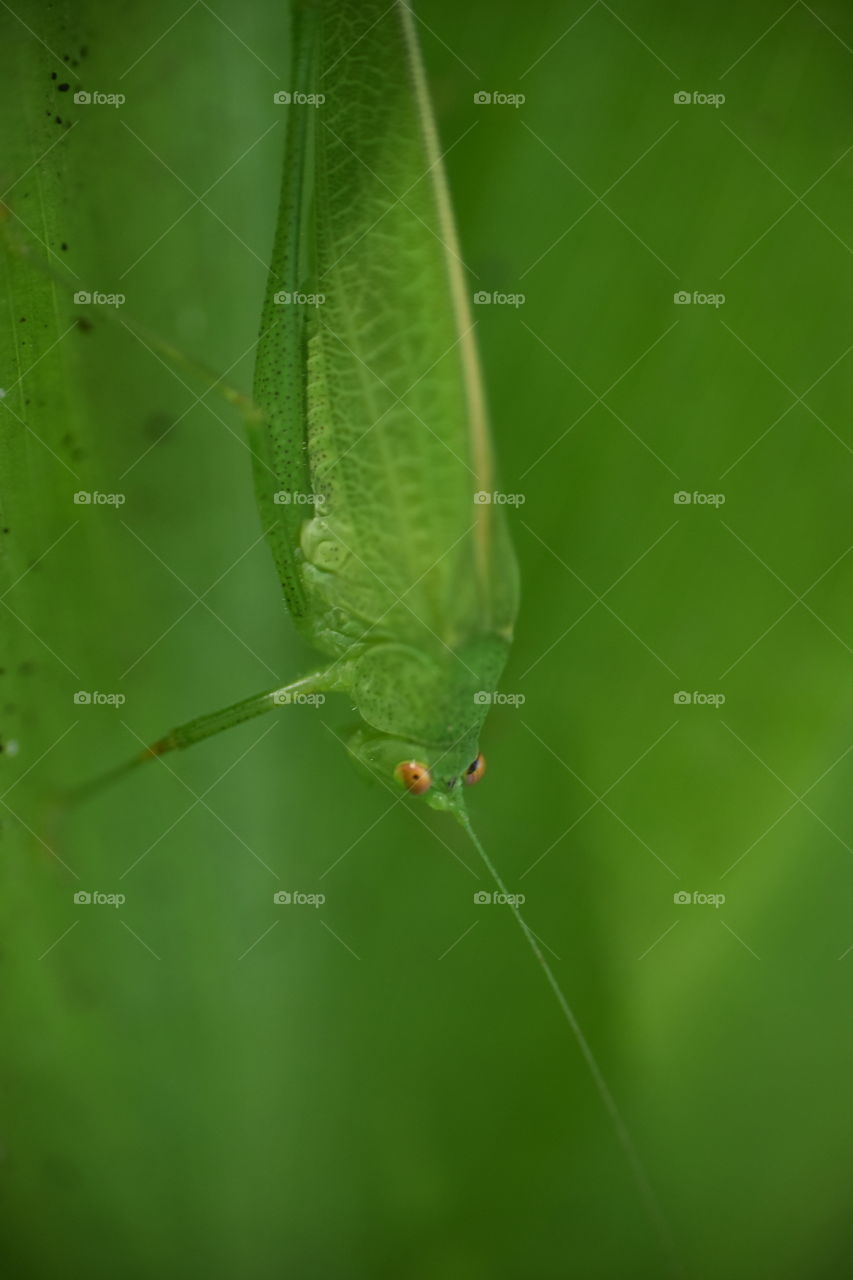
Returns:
<point x="278" y="437"/>
<point x="389" y="390"/>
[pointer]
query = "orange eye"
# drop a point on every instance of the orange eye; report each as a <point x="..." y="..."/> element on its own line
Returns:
<point x="415" y="777"/>
<point x="475" y="771"/>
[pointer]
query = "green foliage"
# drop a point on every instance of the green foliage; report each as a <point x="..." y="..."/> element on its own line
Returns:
<point x="202" y="1080"/>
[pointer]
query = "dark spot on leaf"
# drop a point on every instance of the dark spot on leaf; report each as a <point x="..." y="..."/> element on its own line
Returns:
<point x="157" y="425"/>
<point x="63" y="88"/>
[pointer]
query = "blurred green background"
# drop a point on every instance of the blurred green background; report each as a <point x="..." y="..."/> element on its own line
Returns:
<point x="202" y="1082"/>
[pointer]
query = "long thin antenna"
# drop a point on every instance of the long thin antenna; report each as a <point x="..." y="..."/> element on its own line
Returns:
<point x="641" y="1178"/>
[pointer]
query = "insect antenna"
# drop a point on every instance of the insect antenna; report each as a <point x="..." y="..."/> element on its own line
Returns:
<point x="638" y="1170"/>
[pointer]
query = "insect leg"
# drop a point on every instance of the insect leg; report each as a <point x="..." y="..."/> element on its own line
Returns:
<point x="185" y="735"/>
<point x="166" y="352"/>
<point x="193" y="731"/>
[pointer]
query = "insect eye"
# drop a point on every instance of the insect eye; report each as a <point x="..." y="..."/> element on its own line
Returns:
<point x="414" y="776"/>
<point x="475" y="771"/>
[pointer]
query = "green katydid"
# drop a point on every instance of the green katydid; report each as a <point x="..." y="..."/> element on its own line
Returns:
<point x="370" y="440"/>
<point x="369" y="433"/>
